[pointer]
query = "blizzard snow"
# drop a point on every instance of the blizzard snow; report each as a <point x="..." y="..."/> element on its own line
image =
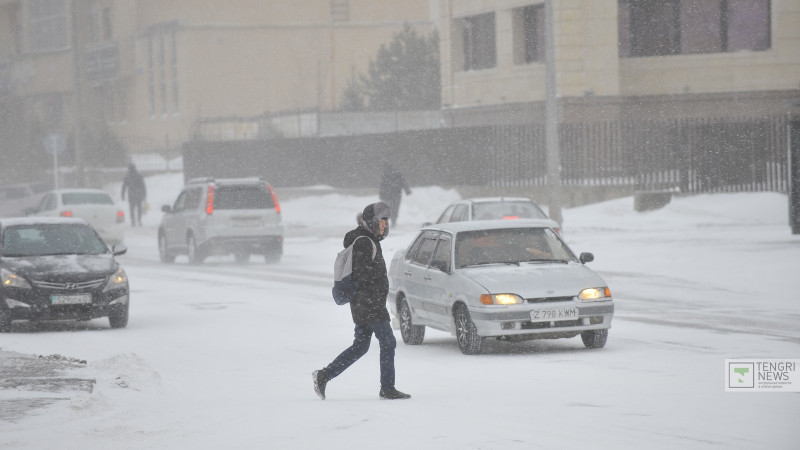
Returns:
<point x="220" y="355"/>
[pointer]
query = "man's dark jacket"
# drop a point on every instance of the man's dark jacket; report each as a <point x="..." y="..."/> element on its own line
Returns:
<point x="369" y="303"/>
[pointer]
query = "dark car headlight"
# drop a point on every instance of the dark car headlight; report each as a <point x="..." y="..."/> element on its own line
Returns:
<point x="10" y="279"/>
<point x="116" y="281"/>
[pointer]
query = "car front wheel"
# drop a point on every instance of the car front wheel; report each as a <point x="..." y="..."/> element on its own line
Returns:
<point x="5" y="321"/>
<point x="466" y="333"/>
<point x="120" y="319"/>
<point x="594" y="338"/>
<point x="412" y="334"/>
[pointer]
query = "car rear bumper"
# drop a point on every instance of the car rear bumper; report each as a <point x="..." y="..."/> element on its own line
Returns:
<point x="250" y="244"/>
<point x="518" y="322"/>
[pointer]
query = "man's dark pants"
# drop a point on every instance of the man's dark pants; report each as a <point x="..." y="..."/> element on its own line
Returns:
<point x="363" y="336"/>
<point x="136" y="212"/>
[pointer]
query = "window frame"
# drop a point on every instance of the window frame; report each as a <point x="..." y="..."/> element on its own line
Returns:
<point x="478" y="53"/>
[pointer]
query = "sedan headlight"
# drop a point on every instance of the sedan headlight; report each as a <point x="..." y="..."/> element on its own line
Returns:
<point x="118" y="280"/>
<point x="501" y="299"/>
<point x="10" y="279"/>
<point x="590" y="294"/>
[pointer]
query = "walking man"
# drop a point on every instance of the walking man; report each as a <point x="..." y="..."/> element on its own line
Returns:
<point x="137" y="193"/>
<point x="368" y="307"/>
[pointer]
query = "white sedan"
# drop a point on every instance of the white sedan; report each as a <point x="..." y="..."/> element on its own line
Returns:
<point x="510" y="280"/>
<point x="92" y="205"/>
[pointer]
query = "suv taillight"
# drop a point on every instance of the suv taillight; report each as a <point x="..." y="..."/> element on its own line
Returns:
<point x="274" y="199"/>
<point x="120" y="216"/>
<point x="210" y="200"/>
<point x="66" y="213"/>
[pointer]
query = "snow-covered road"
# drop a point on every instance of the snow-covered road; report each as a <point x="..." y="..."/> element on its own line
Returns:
<point x="220" y="355"/>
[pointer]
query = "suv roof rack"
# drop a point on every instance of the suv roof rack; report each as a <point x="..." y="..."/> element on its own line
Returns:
<point x="253" y="179"/>
<point x="200" y="180"/>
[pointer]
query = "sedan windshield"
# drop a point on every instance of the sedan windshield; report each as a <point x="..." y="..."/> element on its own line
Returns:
<point x="506" y="210"/>
<point x="514" y="246"/>
<point x="51" y="239"/>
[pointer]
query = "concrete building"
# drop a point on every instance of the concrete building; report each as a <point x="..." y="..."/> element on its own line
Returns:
<point x="151" y="72"/>
<point x="621" y="58"/>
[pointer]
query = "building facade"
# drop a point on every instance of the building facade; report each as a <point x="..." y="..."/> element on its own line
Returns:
<point x="148" y="73"/>
<point x="667" y="58"/>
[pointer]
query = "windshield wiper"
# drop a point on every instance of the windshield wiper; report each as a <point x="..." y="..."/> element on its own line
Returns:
<point x="513" y="263"/>
<point x="537" y="260"/>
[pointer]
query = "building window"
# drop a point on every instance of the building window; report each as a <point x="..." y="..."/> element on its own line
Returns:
<point x="47" y="25"/>
<point x="106" y="24"/>
<point x="162" y="72"/>
<point x="528" y="29"/>
<point x="340" y="10"/>
<point x="174" y="64"/>
<point x="670" y="27"/>
<point x="94" y="21"/>
<point x="479" y="42"/>
<point x="151" y="76"/>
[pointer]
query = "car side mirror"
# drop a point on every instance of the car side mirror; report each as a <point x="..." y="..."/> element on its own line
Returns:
<point x="425" y="224"/>
<point x="166" y="209"/>
<point x="119" y="249"/>
<point x="586" y="257"/>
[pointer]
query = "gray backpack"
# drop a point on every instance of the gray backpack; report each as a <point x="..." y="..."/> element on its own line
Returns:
<point x="344" y="286"/>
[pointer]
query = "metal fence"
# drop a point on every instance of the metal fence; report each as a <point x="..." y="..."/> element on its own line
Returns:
<point x="686" y="155"/>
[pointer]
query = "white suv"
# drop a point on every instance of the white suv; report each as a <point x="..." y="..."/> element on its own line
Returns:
<point x="222" y="216"/>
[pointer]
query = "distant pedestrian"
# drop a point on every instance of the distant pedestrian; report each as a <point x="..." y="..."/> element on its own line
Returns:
<point x="391" y="189"/>
<point x="137" y="193"/>
<point x="368" y="307"/>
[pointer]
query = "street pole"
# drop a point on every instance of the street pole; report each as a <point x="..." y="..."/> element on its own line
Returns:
<point x="78" y="102"/>
<point x="551" y="117"/>
<point x="55" y="167"/>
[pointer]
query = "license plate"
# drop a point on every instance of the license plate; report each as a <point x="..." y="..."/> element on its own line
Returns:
<point x="553" y="314"/>
<point x="246" y="223"/>
<point x="78" y="299"/>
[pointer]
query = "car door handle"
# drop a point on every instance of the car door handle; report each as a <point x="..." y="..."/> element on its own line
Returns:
<point x="408" y="274"/>
<point x="427" y="278"/>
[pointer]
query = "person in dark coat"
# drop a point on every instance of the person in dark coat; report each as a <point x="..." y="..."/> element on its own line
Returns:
<point x="391" y="189"/>
<point x="134" y="185"/>
<point x="368" y="307"/>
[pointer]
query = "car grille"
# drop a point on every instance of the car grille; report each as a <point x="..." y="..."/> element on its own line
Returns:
<point x="83" y="285"/>
<point x="556" y="324"/>
<point x="549" y="299"/>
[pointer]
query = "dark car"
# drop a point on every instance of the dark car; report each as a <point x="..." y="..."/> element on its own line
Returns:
<point x="54" y="268"/>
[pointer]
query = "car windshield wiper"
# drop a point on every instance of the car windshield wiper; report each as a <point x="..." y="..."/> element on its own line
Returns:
<point x="513" y="263"/>
<point x="537" y="260"/>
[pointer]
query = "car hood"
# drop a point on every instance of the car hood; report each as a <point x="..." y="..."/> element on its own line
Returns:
<point x="62" y="267"/>
<point x="535" y="280"/>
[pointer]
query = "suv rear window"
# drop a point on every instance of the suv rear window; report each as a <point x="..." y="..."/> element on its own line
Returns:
<point x="243" y="197"/>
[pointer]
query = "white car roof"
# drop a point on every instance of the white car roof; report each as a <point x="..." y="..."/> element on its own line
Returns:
<point x="37" y="220"/>
<point x="476" y="225"/>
